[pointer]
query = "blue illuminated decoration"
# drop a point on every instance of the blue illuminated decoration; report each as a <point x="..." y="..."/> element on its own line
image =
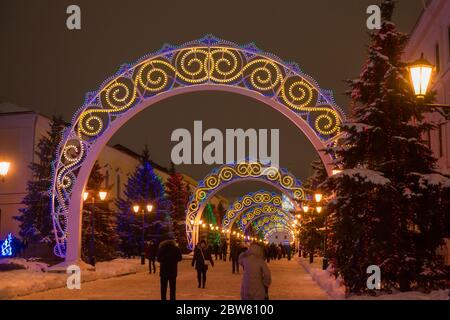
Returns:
<point x="6" y="247"/>
<point x="287" y="204"/>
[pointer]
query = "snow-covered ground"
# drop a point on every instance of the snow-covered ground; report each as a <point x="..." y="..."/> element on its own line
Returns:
<point x="289" y="282"/>
<point x="34" y="278"/>
<point x="336" y="290"/>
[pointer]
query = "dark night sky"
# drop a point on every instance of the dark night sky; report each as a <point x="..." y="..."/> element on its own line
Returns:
<point x="48" y="68"/>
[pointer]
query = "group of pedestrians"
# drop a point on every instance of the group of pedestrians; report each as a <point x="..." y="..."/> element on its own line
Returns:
<point x="278" y="251"/>
<point x="256" y="277"/>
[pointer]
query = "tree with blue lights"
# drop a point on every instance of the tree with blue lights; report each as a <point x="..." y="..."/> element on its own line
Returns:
<point x="143" y="187"/>
<point x="35" y="220"/>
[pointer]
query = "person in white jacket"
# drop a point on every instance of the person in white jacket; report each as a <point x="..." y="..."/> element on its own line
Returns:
<point x="256" y="279"/>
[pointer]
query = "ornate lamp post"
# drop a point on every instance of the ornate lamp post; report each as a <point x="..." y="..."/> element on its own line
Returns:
<point x="102" y="196"/>
<point x="421" y="72"/>
<point x="136" y="209"/>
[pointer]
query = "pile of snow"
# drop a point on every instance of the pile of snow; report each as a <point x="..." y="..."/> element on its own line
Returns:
<point x="333" y="287"/>
<point x="30" y="264"/>
<point x="411" y="295"/>
<point x="336" y="290"/>
<point x="33" y="279"/>
<point x="374" y="177"/>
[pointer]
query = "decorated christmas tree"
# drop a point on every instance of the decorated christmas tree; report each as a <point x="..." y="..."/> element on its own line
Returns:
<point x="209" y="218"/>
<point x="36" y="224"/>
<point x="105" y="226"/>
<point x="143" y="187"/>
<point x="391" y="203"/>
<point x="178" y="196"/>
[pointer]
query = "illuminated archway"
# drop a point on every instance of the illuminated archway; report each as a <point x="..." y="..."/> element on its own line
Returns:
<point x="208" y="64"/>
<point x="261" y="212"/>
<point x="277" y="228"/>
<point x="228" y="174"/>
<point x="248" y="201"/>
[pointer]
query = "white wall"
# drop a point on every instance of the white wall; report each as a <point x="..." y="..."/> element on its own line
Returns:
<point x="280" y="237"/>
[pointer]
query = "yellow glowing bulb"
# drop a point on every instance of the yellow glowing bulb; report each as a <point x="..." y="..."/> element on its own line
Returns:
<point x="102" y="195"/>
<point x="318" y="197"/>
<point x="85" y="195"/>
<point x="4" y="168"/>
<point x="136" y="208"/>
<point x="420" y="72"/>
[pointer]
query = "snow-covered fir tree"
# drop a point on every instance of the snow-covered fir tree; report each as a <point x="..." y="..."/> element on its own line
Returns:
<point x="177" y="194"/>
<point x="105" y="223"/>
<point x="143" y="187"/>
<point x="35" y="217"/>
<point x="391" y="203"/>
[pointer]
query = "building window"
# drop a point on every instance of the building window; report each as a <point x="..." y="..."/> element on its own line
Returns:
<point x="106" y="179"/>
<point x="441" y="140"/>
<point x="118" y="186"/>
<point x="438" y="61"/>
<point x="449" y="42"/>
<point x="428" y="138"/>
<point x="285" y="237"/>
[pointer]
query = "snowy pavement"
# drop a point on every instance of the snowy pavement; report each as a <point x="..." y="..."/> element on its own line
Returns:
<point x="289" y="281"/>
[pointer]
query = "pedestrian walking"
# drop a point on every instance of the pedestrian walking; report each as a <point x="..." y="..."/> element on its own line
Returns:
<point x="201" y="258"/>
<point x="224" y="250"/>
<point x="150" y="253"/>
<point x="256" y="279"/>
<point x="216" y="250"/>
<point x="168" y="256"/>
<point x="234" y="256"/>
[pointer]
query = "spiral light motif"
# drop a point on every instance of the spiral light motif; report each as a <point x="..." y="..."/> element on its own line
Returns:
<point x="208" y="61"/>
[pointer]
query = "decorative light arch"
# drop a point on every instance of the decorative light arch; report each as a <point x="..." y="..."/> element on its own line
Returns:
<point x="248" y="201"/>
<point x="227" y="174"/>
<point x="260" y="212"/>
<point x="269" y="222"/>
<point x="278" y="228"/>
<point x="207" y="64"/>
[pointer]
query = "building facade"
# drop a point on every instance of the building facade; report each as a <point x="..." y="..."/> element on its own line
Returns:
<point x="431" y="37"/>
<point x="21" y="130"/>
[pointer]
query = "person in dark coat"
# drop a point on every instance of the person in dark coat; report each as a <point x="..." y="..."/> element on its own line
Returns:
<point x="224" y="250"/>
<point x="216" y="250"/>
<point x="168" y="256"/>
<point x="150" y="253"/>
<point x="234" y="256"/>
<point x="201" y="256"/>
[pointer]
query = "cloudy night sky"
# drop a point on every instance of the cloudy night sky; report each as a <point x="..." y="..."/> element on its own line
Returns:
<point x="48" y="68"/>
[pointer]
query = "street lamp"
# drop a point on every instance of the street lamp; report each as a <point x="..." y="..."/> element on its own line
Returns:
<point x="421" y="72"/>
<point x="4" y="168"/>
<point x="136" y="209"/>
<point x="318" y="197"/>
<point x="102" y="196"/>
<point x="305" y="208"/>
